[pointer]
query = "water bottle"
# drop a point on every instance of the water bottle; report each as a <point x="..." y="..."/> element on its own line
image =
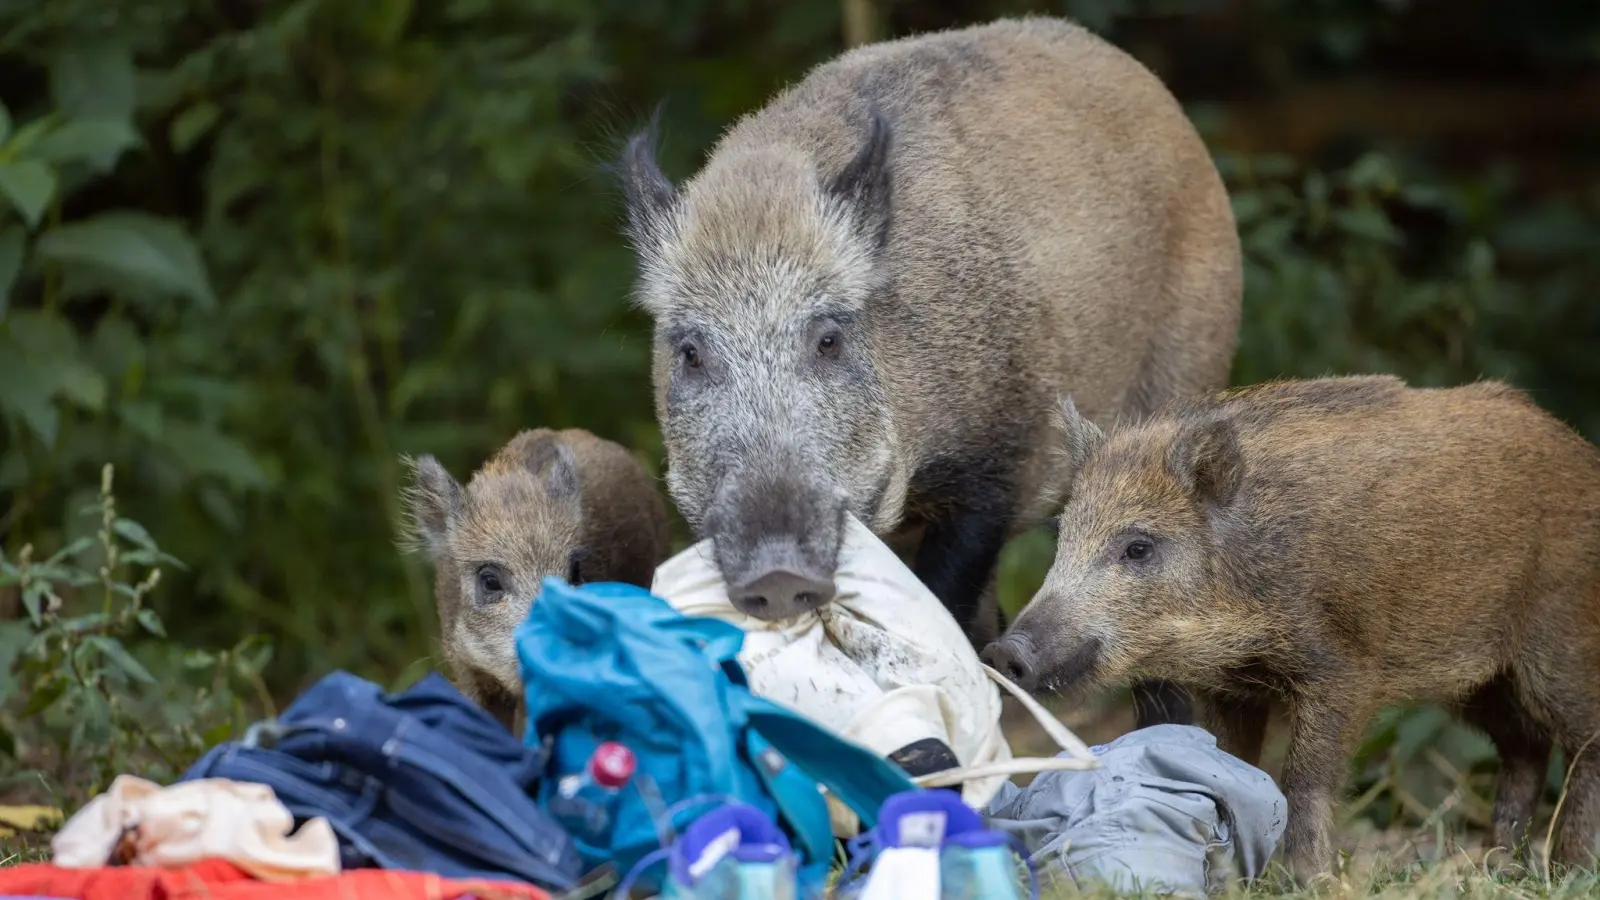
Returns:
<point x="584" y="801"/>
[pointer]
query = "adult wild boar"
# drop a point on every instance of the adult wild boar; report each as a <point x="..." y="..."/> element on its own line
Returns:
<point x="563" y="503"/>
<point x="871" y="295"/>
<point x="1338" y="545"/>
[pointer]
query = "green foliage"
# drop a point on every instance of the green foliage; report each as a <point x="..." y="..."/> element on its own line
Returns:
<point x="79" y="702"/>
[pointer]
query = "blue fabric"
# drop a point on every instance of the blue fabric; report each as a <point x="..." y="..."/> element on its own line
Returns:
<point x="611" y="661"/>
<point x="422" y="780"/>
<point x="1167" y="811"/>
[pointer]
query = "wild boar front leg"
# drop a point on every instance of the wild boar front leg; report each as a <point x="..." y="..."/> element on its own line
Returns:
<point x="1325" y="729"/>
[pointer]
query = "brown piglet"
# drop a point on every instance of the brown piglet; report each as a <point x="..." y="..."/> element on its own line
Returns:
<point x="563" y="503"/>
<point x="1337" y="545"/>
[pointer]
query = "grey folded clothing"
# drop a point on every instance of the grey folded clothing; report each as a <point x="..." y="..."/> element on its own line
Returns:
<point x="1167" y="812"/>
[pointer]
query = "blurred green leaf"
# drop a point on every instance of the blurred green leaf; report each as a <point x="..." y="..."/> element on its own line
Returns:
<point x="134" y="532"/>
<point x="14" y="636"/>
<point x="26" y="391"/>
<point x="386" y="19"/>
<point x="118" y="656"/>
<point x="137" y="245"/>
<point x="69" y="551"/>
<point x="93" y="80"/>
<point x="1373" y="171"/>
<point x="94" y="722"/>
<point x="98" y="142"/>
<point x="30" y="185"/>
<point x="206" y="452"/>
<point x="142" y="417"/>
<point x="149" y="621"/>
<point x="192" y="125"/>
<point x="46" y="695"/>
<point x="1366" y="223"/>
<point x="199" y="659"/>
<point x="86" y="623"/>
<point x="82" y="385"/>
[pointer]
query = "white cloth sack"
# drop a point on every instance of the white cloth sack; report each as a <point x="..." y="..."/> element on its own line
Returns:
<point x="884" y="664"/>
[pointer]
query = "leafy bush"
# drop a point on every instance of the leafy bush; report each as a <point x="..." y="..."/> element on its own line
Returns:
<point x="78" y="701"/>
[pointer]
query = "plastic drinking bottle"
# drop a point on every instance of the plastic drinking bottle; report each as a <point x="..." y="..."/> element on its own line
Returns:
<point x="585" y="800"/>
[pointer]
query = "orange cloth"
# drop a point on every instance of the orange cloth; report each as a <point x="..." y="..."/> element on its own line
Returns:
<point x="218" y="879"/>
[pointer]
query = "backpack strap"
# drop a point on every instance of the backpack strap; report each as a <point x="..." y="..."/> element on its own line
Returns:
<point x="799" y="804"/>
<point x="861" y="779"/>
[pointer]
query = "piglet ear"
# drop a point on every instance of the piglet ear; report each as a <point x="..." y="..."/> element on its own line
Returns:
<point x="1080" y="438"/>
<point x="561" y="477"/>
<point x="865" y="184"/>
<point x="1206" y="461"/>
<point x="431" y="500"/>
<point x="548" y="457"/>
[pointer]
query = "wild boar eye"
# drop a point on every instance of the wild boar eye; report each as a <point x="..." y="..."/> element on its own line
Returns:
<point x="690" y="355"/>
<point x="1138" y="550"/>
<point x="828" y="344"/>
<point x="489" y="580"/>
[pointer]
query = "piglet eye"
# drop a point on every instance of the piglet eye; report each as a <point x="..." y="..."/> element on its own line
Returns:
<point x="1138" y="550"/>
<point x="489" y="581"/>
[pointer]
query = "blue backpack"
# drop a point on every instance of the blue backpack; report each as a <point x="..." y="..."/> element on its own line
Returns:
<point x="612" y="662"/>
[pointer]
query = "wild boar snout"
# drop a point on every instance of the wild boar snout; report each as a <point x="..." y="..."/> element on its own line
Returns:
<point x="776" y="537"/>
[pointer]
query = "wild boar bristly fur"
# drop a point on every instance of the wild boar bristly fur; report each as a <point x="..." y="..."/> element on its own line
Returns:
<point x="1338" y="545"/>
<point x="872" y="294"/>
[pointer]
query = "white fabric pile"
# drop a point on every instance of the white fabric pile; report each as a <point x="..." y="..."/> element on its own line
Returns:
<point x="884" y="664"/>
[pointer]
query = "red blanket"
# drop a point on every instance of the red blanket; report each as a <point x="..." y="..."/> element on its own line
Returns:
<point x="216" y="879"/>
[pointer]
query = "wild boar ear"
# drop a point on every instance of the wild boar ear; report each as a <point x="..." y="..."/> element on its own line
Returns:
<point x="650" y="195"/>
<point x="1080" y="438"/>
<point x="553" y="460"/>
<point x="1206" y="461"/>
<point x="865" y="182"/>
<point x="431" y="500"/>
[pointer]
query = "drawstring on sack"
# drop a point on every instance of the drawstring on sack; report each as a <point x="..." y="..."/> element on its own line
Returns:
<point x="1081" y="757"/>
